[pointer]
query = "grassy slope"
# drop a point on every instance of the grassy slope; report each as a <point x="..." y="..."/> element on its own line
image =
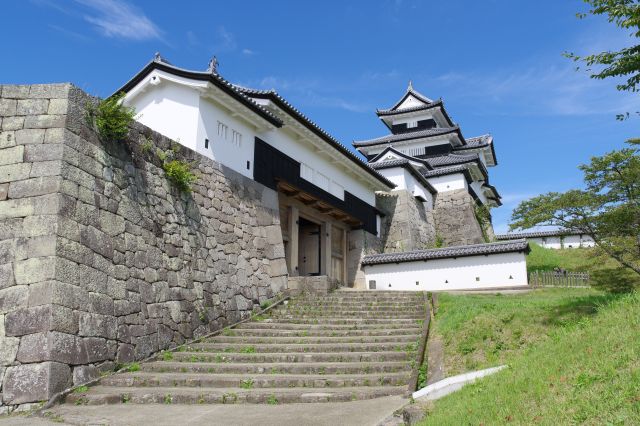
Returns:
<point x="576" y="260"/>
<point x="481" y="331"/>
<point x="586" y="371"/>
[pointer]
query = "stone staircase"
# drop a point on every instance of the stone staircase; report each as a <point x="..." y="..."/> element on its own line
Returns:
<point x="345" y="346"/>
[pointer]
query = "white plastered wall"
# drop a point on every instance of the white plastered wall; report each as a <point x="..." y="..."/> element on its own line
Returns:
<point x="405" y="180"/>
<point x="569" y="241"/>
<point x="449" y="182"/>
<point x="472" y="272"/>
<point x="180" y="112"/>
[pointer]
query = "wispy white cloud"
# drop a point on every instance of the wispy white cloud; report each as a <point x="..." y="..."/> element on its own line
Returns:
<point x="248" y="52"/>
<point x="118" y="19"/>
<point x="111" y="18"/>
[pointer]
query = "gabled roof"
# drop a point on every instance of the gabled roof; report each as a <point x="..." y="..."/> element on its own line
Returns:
<point x="447" y="252"/>
<point x="399" y="154"/>
<point x="436" y="131"/>
<point x="159" y="63"/>
<point x="411" y="92"/>
<point x="452" y="159"/>
<point x="246" y="97"/>
<point x="406" y="164"/>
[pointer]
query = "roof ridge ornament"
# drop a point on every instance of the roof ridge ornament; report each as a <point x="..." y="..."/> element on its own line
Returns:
<point x="212" y="68"/>
<point x="410" y="88"/>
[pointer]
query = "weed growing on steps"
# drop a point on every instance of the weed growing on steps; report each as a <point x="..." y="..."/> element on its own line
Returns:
<point x="168" y="399"/>
<point x="81" y="389"/>
<point x="126" y="398"/>
<point x="228" y="332"/>
<point x="167" y="356"/>
<point x="247" y="384"/>
<point x="248" y="350"/>
<point x="229" y="398"/>
<point x="272" y="400"/>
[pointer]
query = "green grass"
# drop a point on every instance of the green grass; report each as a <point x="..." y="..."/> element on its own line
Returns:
<point x="481" y="331"/>
<point x="574" y="260"/>
<point x="585" y="372"/>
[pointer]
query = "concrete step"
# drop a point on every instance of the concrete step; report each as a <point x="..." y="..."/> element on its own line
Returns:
<point x="276" y="367"/>
<point x="146" y="379"/>
<point x="99" y="395"/>
<point x="293" y="357"/>
<point x="248" y="340"/>
<point x="283" y="324"/>
<point x="304" y="347"/>
<point x="353" y="332"/>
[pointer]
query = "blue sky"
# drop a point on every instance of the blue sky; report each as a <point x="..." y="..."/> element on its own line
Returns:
<point x="497" y="64"/>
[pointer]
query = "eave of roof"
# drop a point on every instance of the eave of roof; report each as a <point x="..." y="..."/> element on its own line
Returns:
<point x="282" y="103"/>
<point x="213" y="78"/>
<point x="400" y="154"/>
<point x="447" y="252"/>
<point x="479" y="142"/>
<point x="437" y="131"/>
<point x="538" y="234"/>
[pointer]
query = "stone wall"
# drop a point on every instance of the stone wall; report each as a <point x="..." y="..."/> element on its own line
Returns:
<point x="102" y="259"/>
<point x="407" y="225"/>
<point x="455" y="218"/>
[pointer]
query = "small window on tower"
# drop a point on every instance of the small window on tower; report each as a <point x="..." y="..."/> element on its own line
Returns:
<point x="412" y="124"/>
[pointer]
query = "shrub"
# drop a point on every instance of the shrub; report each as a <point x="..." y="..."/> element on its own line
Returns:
<point x="111" y="118"/>
<point x="179" y="172"/>
<point x="615" y="280"/>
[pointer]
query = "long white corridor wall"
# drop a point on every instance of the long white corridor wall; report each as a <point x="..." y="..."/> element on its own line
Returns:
<point x="459" y="273"/>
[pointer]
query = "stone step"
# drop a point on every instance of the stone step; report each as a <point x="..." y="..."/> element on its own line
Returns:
<point x="256" y="357"/>
<point x="352" y="321"/>
<point x="296" y="313"/>
<point x="247" y="340"/>
<point x="356" y="305"/>
<point x="276" y="367"/>
<point x="287" y="325"/>
<point x="99" y="395"/>
<point x="353" y="310"/>
<point x="330" y="301"/>
<point x="265" y="332"/>
<point x="145" y="379"/>
<point x="304" y="347"/>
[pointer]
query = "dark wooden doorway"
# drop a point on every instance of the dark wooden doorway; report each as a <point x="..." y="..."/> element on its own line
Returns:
<point x="309" y="260"/>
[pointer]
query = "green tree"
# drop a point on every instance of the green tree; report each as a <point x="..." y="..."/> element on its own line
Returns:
<point x="623" y="63"/>
<point x="607" y="209"/>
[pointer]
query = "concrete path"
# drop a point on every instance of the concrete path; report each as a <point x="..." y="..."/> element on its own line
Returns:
<point x="358" y="413"/>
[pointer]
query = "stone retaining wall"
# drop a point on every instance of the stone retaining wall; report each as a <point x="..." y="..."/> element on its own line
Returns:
<point x="102" y="259"/>
<point x="455" y="218"/>
<point x="407" y="225"/>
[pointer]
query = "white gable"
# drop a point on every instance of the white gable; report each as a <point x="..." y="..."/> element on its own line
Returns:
<point x="411" y="102"/>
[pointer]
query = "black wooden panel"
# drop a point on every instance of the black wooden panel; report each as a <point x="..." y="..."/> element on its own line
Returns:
<point x="271" y="165"/>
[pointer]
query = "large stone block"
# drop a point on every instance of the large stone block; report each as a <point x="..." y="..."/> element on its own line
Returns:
<point x="13" y="172"/>
<point x="34" y="270"/>
<point x="58" y="90"/>
<point x="8" y="349"/>
<point x="6" y="276"/>
<point x="34" y="187"/>
<point x="32" y="106"/>
<point x="12" y="123"/>
<point x="11" y="155"/>
<point x="36" y="319"/>
<point x="96" y="325"/>
<point x="58" y="106"/>
<point x="84" y="374"/>
<point x="15" y="91"/>
<point x="12" y="298"/>
<point x="44" y="121"/>
<point x="43" y="152"/>
<point x="29" y="136"/>
<point x="35" y="382"/>
<point x="8" y="107"/>
<point x="7" y="139"/>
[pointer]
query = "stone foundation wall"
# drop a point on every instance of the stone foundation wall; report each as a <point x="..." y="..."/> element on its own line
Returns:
<point x="102" y="259"/>
<point x="407" y="225"/>
<point x="455" y="219"/>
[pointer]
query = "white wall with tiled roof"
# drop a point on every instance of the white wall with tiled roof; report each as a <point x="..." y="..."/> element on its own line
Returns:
<point x="461" y="273"/>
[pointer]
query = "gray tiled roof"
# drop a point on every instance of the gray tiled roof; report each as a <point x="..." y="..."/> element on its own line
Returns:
<point x="537" y="234"/>
<point x="447" y="252"/>
<point x="408" y="136"/>
<point x="445" y="170"/>
<point x="382" y="112"/>
<point x="478" y="142"/>
<point x="451" y="159"/>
